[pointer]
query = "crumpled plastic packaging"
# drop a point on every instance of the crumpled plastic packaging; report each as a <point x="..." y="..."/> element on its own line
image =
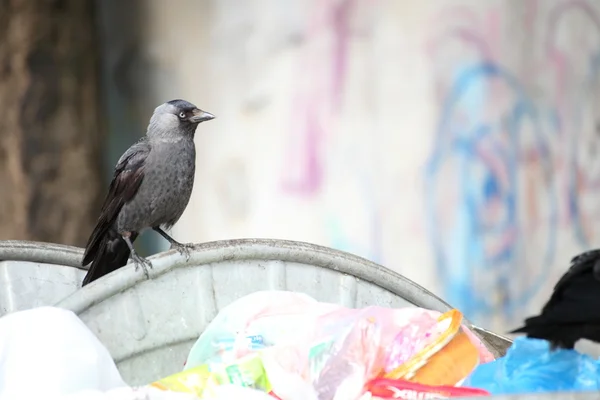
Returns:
<point x="312" y="350"/>
<point x="530" y="367"/>
<point x="204" y="379"/>
<point x="266" y="318"/>
<point x="48" y="352"/>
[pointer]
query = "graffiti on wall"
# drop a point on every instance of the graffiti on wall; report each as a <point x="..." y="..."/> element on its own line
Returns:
<point x="316" y="105"/>
<point x="513" y="159"/>
<point x="321" y="77"/>
<point x="512" y="172"/>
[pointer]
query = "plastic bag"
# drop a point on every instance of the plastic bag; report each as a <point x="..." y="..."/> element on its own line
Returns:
<point x="202" y="380"/>
<point x="529" y="366"/>
<point x="313" y="350"/>
<point x="288" y="372"/>
<point x="258" y="320"/>
<point x="350" y="351"/>
<point x="48" y="351"/>
<point x="364" y="344"/>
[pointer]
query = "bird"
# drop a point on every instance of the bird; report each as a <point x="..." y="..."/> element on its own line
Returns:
<point x="573" y="310"/>
<point x="150" y="189"/>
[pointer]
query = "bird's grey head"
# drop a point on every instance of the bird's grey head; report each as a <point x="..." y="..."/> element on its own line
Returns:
<point x="176" y="118"/>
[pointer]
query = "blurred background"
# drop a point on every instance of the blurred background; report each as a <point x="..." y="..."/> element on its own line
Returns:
<point x="452" y="141"/>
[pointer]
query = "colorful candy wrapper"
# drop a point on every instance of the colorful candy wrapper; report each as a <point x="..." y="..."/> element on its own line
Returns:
<point x="246" y="372"/>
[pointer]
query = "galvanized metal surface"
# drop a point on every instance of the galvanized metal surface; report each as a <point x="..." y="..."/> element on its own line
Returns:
<point x="150" y="325"/>
<point x="34" y="274"/>
<point x="40" y="252"/>
<point x="29" y="284"/>
<point x="498" y="344"/>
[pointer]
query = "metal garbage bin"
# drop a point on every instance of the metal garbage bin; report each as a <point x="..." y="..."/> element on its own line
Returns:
<point x="34" y="274"/>
<point x="150" y="325"/>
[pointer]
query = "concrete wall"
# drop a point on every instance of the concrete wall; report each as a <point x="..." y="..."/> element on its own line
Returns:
<point x="453" y="141"/>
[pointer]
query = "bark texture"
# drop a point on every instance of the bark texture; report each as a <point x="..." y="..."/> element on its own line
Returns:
<point x="50" y="132"/>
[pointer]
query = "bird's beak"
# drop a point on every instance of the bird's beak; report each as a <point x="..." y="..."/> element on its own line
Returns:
<point x="200" y="116"/>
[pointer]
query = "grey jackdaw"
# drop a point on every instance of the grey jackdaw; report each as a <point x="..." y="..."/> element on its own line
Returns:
<point x="151" y="188"/>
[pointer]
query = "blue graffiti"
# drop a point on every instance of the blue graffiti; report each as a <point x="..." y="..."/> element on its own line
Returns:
<point x="471" y="269"/>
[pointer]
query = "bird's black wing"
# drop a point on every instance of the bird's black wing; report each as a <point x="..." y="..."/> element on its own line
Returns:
<point x="573" y="310"/>
<point x="128" y="176"/>
<point x="584" y="271"/>
<point x="580" y="264"/>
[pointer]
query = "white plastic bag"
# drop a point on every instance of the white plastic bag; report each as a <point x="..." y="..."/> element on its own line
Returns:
<point x="275" y="317"/>
<point x="48" y="352"/>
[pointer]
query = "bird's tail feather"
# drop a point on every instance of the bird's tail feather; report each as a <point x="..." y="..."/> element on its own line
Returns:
<point x="111" y="254"/>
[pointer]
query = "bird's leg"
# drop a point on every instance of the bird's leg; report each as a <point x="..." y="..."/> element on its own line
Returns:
<point x="138" y="261"/>
<point x="182" y="248"/>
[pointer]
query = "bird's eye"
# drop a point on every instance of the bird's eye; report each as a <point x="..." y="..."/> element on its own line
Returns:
<point x="182" y="114"/>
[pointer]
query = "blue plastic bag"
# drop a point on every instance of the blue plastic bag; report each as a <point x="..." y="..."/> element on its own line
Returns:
<point x="529" y="366"/>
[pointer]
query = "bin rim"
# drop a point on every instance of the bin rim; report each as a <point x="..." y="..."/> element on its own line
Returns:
<point x="271" y="250"/>
<point x="257" y="249"/>
<point x="41" y="252"/>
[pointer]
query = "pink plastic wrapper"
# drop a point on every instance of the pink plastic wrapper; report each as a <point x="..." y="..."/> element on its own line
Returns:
<point x="317" y="350"/>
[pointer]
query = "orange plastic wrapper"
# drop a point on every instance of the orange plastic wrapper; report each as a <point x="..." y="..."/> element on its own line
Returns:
<point x="447" y="360"/>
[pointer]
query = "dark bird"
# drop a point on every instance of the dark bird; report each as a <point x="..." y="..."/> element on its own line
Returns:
<point x="573" y="311"/>
<point x="151" y="188"/>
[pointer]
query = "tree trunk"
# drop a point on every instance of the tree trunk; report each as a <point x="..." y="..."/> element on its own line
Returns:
<point x="50" y="132"/>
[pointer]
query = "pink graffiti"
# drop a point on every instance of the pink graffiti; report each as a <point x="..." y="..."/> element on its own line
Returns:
<point x="576" y="179"/>
<point x="481" y="34"/>
<point x="321" y="84"/>
<point x="467" y="28"/>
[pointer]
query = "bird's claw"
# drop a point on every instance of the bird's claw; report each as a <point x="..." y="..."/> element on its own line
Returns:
<point x="141" y="262"/>
<point x="183" y="249"/>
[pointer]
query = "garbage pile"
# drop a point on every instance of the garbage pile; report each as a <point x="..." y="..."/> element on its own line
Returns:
<point x="287" y="346"/>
